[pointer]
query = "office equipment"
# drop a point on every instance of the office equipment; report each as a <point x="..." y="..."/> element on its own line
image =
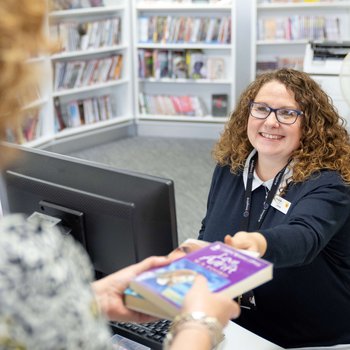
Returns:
<point x="119" y="216"/>
<point x="282" y="29"/>
<point x="345" y="78"/>
<point x="325" y="57"/>
<point x="323" y="61"/>
<point x="150" y="334"/>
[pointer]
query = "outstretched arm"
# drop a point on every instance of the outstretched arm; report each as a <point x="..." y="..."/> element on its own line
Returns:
<point x="253" y="241"/>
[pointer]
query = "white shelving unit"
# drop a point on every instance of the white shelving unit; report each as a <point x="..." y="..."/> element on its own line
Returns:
<point x="293" y="42"/>
<point x="37" y="127"/>
<point x="203" y="88"/>
<point x="118" y="89"/>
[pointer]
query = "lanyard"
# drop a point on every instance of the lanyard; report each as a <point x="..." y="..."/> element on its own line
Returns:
<point x="248" y="195"/>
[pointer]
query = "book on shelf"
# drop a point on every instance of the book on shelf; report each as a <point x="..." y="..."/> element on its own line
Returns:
<point x="184" y="29"/>
<point x="299" y="27"/>
<point x="172" y="105"/>
<point x="61" y="124"/>
<point x="228" y="271"/>
<point x="76" y="74"/>
<point x="58" y="5"/>
<point x="179" y="66"/>
<point x="74" y="36"/>
<point x="184" y="64"/>
<point x="215" y="68"/>
<point x="73" y="113"/>
<point x="219" y="105"/>
<point x="161" y="64"/>
<point x="196" y="62"/>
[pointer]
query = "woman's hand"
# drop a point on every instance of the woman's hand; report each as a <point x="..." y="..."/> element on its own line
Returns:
<point x="109" y="290"/>
<point x="200" y="298"/>
<point x="253" y="241"/>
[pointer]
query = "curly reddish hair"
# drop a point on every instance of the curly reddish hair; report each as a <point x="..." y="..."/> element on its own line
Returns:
<point x="21" y="38"/>
<point x="324" y="140"/>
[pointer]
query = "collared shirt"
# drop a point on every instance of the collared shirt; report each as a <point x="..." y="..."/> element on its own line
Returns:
<point x="257" y="182"/>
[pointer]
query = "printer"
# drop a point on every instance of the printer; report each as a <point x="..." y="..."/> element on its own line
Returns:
<point x="323" y="61"/>
<point x="325" y="57"/>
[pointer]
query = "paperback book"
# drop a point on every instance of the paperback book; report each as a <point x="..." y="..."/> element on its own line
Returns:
<point x="219" y="105"/>
<point x="136" y="302"/>
<point x="228" y="271"/>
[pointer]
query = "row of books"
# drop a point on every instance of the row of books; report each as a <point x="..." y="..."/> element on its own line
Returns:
<point x="28" y="130"/>
<point x="184" y="64"/>
<point x="75" y="74"/>
<point x="73" y="36"/>
<point x="172" y="105"/>
<point x="299" y="27"/>
<point x="58" y="5"/>
<point x="84" y="111"/>
<point x="181" y="29"/>
<point x="279" y="62"/>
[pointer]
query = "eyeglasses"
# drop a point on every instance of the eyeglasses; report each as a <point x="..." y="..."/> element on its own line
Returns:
<point x="283" y="115"/>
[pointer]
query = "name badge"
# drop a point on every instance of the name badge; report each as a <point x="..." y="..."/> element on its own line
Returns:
<point x="281" y="204"/>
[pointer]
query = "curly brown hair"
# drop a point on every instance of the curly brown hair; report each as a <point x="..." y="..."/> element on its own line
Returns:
<point x="324" y="141"/>
<point x="21" y="37"/>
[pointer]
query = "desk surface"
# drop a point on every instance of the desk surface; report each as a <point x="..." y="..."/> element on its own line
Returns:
<point x="238" y="338"/>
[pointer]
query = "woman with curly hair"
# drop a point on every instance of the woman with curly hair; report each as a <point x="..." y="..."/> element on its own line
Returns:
<point x="281" y="188"/>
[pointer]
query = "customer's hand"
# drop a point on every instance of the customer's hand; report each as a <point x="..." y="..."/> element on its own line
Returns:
<point x="253" y="241"/>
<point x="199" y="298"/>
<point x="109" y="290"/>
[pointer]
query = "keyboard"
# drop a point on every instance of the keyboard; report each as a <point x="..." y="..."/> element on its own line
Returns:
<point x="149" y="334"/>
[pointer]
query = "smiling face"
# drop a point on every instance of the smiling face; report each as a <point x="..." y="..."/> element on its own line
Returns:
<point x="272" y="140"/>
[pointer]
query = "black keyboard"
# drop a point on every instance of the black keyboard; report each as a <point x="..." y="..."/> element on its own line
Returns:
<point x="149" y="334"/>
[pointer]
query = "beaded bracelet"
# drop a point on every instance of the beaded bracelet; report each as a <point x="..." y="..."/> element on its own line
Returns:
<point x="211" y="323"/>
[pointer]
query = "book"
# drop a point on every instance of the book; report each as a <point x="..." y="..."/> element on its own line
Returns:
<point x="219" y="105"/>
<point x="136" y="302"/>
<point x="179" y="65"/>
<point x="196" y="62"/>
<point x="228" y="271"/>
<point x="216" y="68"/>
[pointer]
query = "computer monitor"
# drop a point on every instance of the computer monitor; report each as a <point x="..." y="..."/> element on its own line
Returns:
<point x="119" y="216"/>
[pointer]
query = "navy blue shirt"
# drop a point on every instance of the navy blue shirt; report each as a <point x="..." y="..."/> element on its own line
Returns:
<point x="308" y="301"/>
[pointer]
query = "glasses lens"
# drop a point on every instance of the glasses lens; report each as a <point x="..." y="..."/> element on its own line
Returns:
<point x="287" y="116"/>
<point x="260" y="111"/>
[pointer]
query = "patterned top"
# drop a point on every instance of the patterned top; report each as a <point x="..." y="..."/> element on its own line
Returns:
<point x="45" y="298"/>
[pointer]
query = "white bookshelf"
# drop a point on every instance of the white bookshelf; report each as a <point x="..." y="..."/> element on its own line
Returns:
<point x="267" y="48"/>
<point x="37" y="126"/>
<point x="202" y="88"/>
<point x="118" y="89"/>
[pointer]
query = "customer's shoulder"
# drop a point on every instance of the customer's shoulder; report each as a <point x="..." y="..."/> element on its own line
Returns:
<point x="24" y="243"/>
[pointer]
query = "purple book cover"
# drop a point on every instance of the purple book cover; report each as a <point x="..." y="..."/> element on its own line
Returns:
<point x="222" y="265"/>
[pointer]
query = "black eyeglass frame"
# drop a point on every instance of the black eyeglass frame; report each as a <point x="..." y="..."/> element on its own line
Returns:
<point x="275" y="110"/>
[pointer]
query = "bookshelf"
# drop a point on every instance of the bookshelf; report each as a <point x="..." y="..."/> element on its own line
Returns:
<point x="88" y="82"/>
<point x="281" y="30"/>
<point x="184" y="55"/>
<point x="37" y="127"/>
